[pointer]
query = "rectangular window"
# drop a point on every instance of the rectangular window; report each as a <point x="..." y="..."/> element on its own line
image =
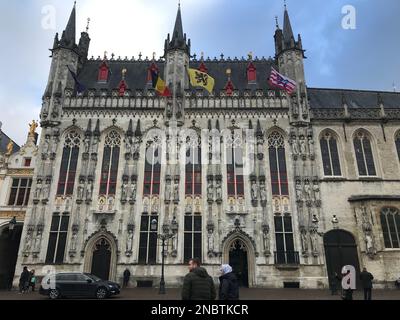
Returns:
<point x="27" y="162"/>
<point x="325" y="157"/>
<point x="335" y="157"/>
<point x="57" y="238"/>
<point x="152" y="171"/>
<point x="109" y="170"/>
<point x="193" y="171"/>
<point x="69" y="162"/>
<point x="20" y="192"/>
<point x="192" y="237"/>
<point x="234" y="171"/>
<point x="285" y="252"/>
<point x="148" y="240"/>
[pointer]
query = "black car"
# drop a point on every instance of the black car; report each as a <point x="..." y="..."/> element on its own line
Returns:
<point x="77" y="285"/>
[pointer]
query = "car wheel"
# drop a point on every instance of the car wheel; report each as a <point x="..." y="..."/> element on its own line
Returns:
<point x="54" y="294"/>
<point x="101" y="293"/>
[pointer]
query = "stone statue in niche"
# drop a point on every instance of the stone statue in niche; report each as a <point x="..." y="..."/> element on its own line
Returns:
<point x="314" y="243"/>
<point x="266" y="240"/>
<point x="38" y="191"/>
<point x="167" y="194"/>
<point x="124" y="191"/>
<point x="210" y="191"/>
<point x="219" y="190"/>
<point x="46" y="190"/>
<point x="176" y="191"/>
<point x="311" y="147"/>
<point x="81" y="190"/>
<point x="307" y="189"/>
<point x="299" y="190"/>
<point x="211" y="241"/>
<point x="295" y="146"/>
<point x="133" y="191"/>
<point x="263" y="192"/>
<point x="129" y="242"/>
<point x="303" y="148"/>
<point x="86" y="143"/>
<point x="304" y="242"/>
<point x="316" y="190"/>
<point x="89" y="191"/>
<point x="74" y="240"/>
<point x="95" y="144"/>
<point x="46" y="145"/>
<point x="254" y="191"/>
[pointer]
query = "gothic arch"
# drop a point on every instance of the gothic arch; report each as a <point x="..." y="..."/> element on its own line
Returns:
<point x="252" y="253"/>
<point x="107" y="130"/>
<point x="90" y="246"/>
<point x="71" y="128"/>
<point x="324" y="134"/>
<point x="276" y="129"/>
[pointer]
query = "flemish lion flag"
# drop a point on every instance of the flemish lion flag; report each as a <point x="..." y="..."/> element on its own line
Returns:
<point x="201" y="79"/>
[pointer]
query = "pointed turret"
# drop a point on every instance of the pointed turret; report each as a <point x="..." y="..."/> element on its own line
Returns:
<point x="88" y="132"/>
<point x="287" y="30"/>
<point x="284" y="39"/>
<point x="69" y="35"/>
<point x="129" y="133"/>
<point x="178" y="40"/>
<point x="96" y="131"/>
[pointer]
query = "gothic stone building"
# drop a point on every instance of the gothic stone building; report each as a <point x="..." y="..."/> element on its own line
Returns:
<point x="287" y="189"/>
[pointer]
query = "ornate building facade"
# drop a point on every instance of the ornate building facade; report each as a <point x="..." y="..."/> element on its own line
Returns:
<point x="16" y="176"/>
<point x="287" y="189"/>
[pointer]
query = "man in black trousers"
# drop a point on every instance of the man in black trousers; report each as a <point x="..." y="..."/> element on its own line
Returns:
<point x="366" y="282"/>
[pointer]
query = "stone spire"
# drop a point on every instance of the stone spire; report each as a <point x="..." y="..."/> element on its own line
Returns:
<point x="287" y="29"/>
<point x="69" y="35"/>
<point x="178" y="40"/>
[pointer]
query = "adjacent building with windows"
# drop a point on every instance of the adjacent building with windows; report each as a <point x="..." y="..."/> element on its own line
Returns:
<point x="16" y="175"/>
<point x="287" y="189"/>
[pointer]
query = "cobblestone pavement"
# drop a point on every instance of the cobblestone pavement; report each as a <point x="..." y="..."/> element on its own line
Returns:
<point x="245" y="294"/>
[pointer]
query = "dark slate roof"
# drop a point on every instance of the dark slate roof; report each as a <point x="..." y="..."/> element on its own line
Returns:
<point x="355" y="99"/>
<point x="136" y="76"/>
<point x="4" y="139"/>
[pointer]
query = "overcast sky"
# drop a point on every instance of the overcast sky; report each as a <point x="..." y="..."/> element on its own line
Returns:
<point x="366" y="57"/>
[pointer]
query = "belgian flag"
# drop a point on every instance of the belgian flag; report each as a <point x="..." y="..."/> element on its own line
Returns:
<point x="159" y="84"/>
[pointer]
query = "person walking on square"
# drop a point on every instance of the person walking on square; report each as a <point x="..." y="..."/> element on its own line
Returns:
<point x="24" y="280"/>
<point x="127" y="275"/>
<point x="366" y="282"/>
<point x="228" y="284"/>
<point x="198" y="284"/>
<point x="32" y="281"/>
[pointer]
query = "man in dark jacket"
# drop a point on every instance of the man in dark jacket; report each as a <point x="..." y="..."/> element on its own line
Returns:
<point x="24" y="280"/>
<point x="197" y="284"/>
<point x="366" y="282"/>
<point x="228" y="284"/>
<point x="127" y="275"/>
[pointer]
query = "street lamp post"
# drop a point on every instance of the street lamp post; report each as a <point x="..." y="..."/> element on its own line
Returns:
<point x="163" y="237"/>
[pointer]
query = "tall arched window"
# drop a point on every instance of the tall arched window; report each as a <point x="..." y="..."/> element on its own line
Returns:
<point x="277" y="163"/>
<point x="390" y="221"/>
<point x="364" y="156"/>
<point x="193" y="167"/>
<point x="330" y="155"/>
<point x="152" y="169"/>
<point x="398" y="144"/>
<point x="109" y="168"/>
<point x="69" y="163"/>
<point x="234" y="166"/>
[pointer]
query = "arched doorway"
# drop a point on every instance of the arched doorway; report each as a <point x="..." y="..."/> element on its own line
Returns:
<point x="101" y="259"/>
<point x="101" y="256"/>
<point x="239" y="262"/>
<point x="9" y="246"/>
<point x="340" y="250"/>
<point x="239" y="250"/>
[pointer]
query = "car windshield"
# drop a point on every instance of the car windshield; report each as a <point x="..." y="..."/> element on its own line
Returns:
<point x="95" y="278"/>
